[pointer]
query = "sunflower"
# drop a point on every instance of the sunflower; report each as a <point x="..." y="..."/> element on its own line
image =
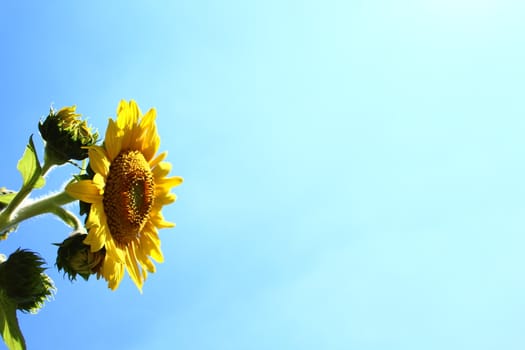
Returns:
<point x="127" y="192"/>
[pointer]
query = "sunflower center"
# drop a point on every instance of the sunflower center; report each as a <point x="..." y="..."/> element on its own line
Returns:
<point x="128" y="195"/>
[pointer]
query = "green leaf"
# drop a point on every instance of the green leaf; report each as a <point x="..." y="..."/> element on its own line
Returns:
<point x="29" y="166"/>
<point x="6" y="197"/>
<point x="9" y="327"/>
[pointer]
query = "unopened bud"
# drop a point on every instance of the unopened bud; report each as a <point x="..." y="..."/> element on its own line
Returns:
<point x="76" y="258"/>
<point x="23" y="279"/>
<point x="66" y="136"/>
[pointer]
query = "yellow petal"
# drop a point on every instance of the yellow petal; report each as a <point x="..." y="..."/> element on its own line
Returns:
<point x="98" y="230"/>
<point x="127" y="118"/>
<point x="161" y="223"/>
<point x="157" y="219"/>
<point x="99" y="161"/>
<point x="164" y="198"/>
<point x="114" y="251"/>
<point x="96" y="216"/>
<point x="161" y="189"/>
<point x="141" y="133"/>
<point x="151" y="143"/>
<point x="158" y="159"/>
<point x="113" y="140"/>
<point x="144" y="273"/>
<point x="85" y="190"/>
<point x="100" y="182"/>
<point x="123" y="122"/>
<point x="133" y="269"/>
<point x="169" y="182"/>
<point x="93" y="240"/>
<point x="112" y="272"/>
<point x="147" y="264"/>
<point x="161" y="170"/>
<point x="151" y="244"/>
<point x="148" y="119"/>
<point x="135" y="112"/>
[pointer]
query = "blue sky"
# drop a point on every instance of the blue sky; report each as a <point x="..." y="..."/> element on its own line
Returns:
<point x="353" y="169"/>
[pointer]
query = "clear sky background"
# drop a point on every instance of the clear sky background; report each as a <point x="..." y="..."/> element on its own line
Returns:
<point x="354" y="174"/>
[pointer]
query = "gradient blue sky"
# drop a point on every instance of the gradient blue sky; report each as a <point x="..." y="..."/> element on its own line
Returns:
<point x="353" y="169"/>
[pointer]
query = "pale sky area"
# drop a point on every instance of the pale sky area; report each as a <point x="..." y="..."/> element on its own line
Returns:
<point x="354" y="174"/>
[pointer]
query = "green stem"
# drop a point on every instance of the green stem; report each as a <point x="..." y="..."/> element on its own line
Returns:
<point x="51" y="204"/>
<point x="69" y="218"/>
<point x="7" y="215"/>
<point x="46" y="167"/>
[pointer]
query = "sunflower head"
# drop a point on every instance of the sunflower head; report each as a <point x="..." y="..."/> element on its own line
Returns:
<point x="66" y="135"/>
<point x="76" y="258"/>
<point x="126" y="192"/>
<point x="23" y="279"/>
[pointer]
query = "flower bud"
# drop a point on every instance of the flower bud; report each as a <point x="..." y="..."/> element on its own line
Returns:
<point x="66" y="135"/>
<point x="75" y="257"/>
<point x="23" y="279"/>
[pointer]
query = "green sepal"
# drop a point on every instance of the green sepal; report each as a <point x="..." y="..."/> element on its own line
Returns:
<point x="9" y="327"/>
<point x="29" y="166"/>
